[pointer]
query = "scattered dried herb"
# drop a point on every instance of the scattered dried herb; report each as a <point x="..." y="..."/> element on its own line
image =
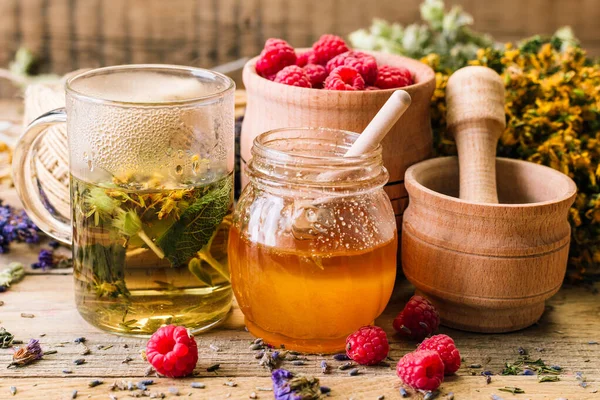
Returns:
<point x="268" y="361"/>
<point x="74" y="394"/>
<point x="13" y="273"/>
<point x="524" y="363"/>
<point x="549" y="378"/>
<point x="28" y="354"/>
<point x="346" y="366"/>
<point x="95" y="382"/>
<point x="197" y="385"/>
<point x="6" y="339"/>
<point x="431" y="395"/>
<point x="79" y="361"/>
<point x="403" y="392"/>
<point x="213" y="368"/>
<point x="230" y="384"/>
<point x="79" y="340"/>
<point x="512" y="389"/>
<point x="84" y="350"/>
<point x="324" y="367"/>
<point x="48" y="259"/>
<point x="341" y="357"/>
<point x="353" y="372"/>
<point x="287" y="385"/>
<point x="17" y="227"/>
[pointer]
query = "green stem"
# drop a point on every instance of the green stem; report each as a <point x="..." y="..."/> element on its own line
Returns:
<point x="205" y="256"/>
<point x="157" y="250"/>
<point x="208" y="258"/>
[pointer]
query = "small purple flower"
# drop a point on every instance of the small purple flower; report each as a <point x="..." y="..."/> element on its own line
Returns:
<point x="16" y="226"/>
<point x="28" y="354"/>
<point x="45" y="260"/>
<point x="287" y="386"/>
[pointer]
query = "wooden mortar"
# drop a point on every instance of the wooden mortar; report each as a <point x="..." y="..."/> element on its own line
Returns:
<point x="487" y="267"/>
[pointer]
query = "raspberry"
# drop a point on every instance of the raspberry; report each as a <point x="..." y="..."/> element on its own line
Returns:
<point x="276" y="55"/>
<point x="445" y="347"/>
<point x="390" y="77"/>
<point x="316" y="73"/>
<point x="418" y="320"/>
<point x="364" y="63"/>
<point x="293" y="76"/>
<point x="344" y="78"/>
<point x="305" y="58"/>
<point x="327" y="47"/>
<point x="172" y="351"/>
<point x="368" y="345"/>
<point x="423" y="370"/>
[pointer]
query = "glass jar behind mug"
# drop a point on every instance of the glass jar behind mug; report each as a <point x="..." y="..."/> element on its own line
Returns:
<point x="313" y="246"/>
<point x="151" y="163"/>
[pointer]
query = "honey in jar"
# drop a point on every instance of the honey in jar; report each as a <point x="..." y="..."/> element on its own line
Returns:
<point x="312" y="250"/>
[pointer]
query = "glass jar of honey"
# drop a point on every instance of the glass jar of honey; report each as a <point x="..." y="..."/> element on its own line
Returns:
<point x="312" y="249"/>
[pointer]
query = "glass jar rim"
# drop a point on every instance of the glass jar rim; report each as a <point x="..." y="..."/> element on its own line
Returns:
<point x="261" y="148"/>
<point x="318" y="165"/>
<point x="193" y="71"/>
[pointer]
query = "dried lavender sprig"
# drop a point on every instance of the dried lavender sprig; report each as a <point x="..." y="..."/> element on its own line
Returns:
<point x="28" y="354"/>
<point x="16" y="226"/>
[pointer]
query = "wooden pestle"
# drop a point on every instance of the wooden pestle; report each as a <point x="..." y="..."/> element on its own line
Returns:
<point x="375" y="131"/>
<point x="476" y="119"/>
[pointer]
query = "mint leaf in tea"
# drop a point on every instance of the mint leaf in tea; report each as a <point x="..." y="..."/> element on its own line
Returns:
<point x="147" y="254"/>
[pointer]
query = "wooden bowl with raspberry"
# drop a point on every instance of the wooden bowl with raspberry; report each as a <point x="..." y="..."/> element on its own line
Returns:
<point x="332" y="86"/>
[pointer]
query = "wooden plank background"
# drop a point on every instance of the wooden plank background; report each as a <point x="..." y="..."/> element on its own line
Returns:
<point x="70" y="34"/>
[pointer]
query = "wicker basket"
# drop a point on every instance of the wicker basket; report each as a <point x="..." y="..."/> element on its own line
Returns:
<point x="52" y="163"/>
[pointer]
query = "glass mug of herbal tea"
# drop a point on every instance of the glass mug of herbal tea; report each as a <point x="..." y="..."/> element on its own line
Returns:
<point x="151" y="151"/>
<point x="312" y="250"/>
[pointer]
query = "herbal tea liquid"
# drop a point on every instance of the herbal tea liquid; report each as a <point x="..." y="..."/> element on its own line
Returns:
<point x="292" y="297"/>
<point x="147" y="256"/>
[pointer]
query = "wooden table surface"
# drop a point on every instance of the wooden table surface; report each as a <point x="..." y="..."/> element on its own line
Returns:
<point x="566" y="334"/>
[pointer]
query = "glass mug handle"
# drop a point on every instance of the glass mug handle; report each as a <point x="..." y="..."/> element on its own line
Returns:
<point x="26" y="179"/>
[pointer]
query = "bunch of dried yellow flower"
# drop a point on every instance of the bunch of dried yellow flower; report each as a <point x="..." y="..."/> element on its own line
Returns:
<point x="553" y="118"/>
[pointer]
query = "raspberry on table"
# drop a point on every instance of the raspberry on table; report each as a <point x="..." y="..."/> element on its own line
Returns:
<point x="445" y="347"/>
<point x="316" y="73"/>
<point x="327" y="47"/>
<point x="422" y="370"/>
<point x="418" y="320"/>
<point x="365" y="64"/>
<point x="344" y="78"/>
<point x="304" y="58"/>
<point x="368" y="345"/>
<point x="389" y="77"/>
<point x="293" y="75"/>
<point x="172" y="351"/>
<point x="276" y="55"/>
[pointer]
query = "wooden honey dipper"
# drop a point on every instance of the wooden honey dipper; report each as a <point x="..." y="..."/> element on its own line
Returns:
<point x="476" y="119"/>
